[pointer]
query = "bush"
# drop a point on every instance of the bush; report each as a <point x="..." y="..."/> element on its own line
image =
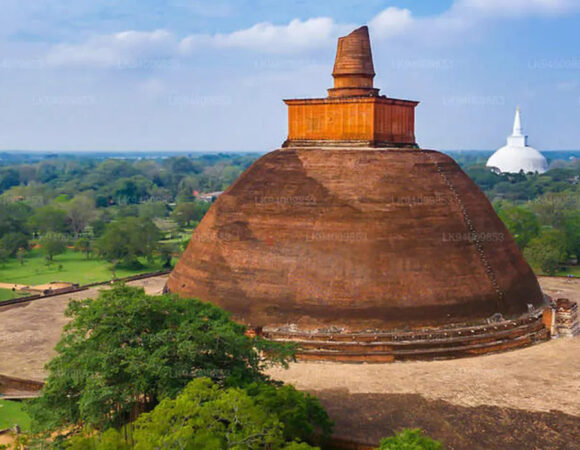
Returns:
<point x="410" y="439"/>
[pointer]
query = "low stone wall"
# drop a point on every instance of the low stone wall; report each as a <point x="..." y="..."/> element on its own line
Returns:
<point x="18" y="384"/>
<point x="77" y="288"/>
<point x="383" y="347"/>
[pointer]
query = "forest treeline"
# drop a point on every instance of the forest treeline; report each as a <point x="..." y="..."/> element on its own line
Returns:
<point x="131" y="208"/>
<point x="120" y="209"/>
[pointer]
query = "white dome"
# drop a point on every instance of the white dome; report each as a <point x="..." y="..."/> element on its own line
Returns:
<point x="512" y="159"/>
<point x="517" y="155"/>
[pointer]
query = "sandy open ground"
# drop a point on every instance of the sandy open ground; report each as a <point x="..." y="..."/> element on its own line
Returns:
<point x="538" y="378"/>
<point x="528" y="398"/>
<point x="29" y="332"/>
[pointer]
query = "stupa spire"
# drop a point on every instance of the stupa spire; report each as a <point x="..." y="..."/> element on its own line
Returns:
<point x="517" y="138"/>
<point x="354" y="71"/>
<point x="517" y="130"/>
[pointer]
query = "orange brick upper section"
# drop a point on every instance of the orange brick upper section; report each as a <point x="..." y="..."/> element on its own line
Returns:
<point x="374" y="120"/>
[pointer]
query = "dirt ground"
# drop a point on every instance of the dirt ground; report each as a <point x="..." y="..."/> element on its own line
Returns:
<point x="543" y="377"/>
<point x="559" y="287"/>
<point x="366" y="418"/>
<point x="29" y="332"/>
<point x="523" y="399"/>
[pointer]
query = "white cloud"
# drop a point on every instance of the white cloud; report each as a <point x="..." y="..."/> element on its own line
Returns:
<point x="128" y="46"/>
<point x="282" y="38"/>
<point x="392" y="21"/>
<point x="152" y="88"/>
<point x="115" y="49"/>
<point x="300" y="35"/>
<point x="463" y="16"/>
<point x="266" y="37"/>
<point x="514" y="8"/>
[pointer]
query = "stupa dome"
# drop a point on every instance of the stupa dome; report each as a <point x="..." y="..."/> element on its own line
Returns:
<point x="517" y="155"/>
<point x="358" y="245"/>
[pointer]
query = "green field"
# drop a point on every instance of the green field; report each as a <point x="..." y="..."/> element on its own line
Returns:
<point x="70" y="267"/>
<point x="568" y="270"/>
<point x="573" y="270"/>
<point x="11" y="414"/>
<point x="7" y="294"/>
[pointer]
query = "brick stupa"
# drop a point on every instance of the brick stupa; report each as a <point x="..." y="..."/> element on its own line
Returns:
<point x="358" y="245"/>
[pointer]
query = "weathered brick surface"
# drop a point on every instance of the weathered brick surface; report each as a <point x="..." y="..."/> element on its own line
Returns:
<point x="355" y="240"/>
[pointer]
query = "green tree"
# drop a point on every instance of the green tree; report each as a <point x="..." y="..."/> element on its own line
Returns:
<point x="303" y="416"/>
<point x="14" y="241"/>
<point x="98" y="227"/>
<point x="49" y="219"/>
<point x="125" y="351"/>
<point x="8" y="178"/>
<point x="205" y="416"/>
<point x="152" y="210"/>
<point x="521" y="223"/>
<point x="571" y="227"/>
<point x="109" y="440"/>
<point x="14" y="217"/>
<point x="230" y="174"/>
<point x="166" y="252"/>
<point x="186" y="212"/>
<point x="551" y="208"/>
<point x="129" y="238"/>
<point x="4" y="254"/>
<point x="52" y="244"/>
<point x="20" y="254"/>
<point x="547" y="251"/>
<point x="83" y="245"/>
<point x="410" y="439"/>
<point x="132" y="190"/>
<point x="80" y="211"/>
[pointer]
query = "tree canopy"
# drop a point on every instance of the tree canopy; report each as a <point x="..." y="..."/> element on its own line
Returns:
<point x="208" y="416"/>
<point x="53" y="244"/>
<point x="127" y="239"/>
<point x="125" y="351"/>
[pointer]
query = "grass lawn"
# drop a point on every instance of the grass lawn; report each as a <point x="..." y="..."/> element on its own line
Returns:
<point x="7" y="294"/>
<point x="11" y="414"/>
<point x="70" y="267"/>
<point x="574" y="270"/>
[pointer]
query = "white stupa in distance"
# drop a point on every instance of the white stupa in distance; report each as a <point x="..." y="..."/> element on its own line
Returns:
<point x="517" y="155"/>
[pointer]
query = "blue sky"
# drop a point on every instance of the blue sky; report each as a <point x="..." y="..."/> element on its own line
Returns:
<point x="210" y="75"/>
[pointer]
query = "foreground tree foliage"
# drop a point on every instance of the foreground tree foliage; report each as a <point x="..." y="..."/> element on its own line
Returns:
<point x="410" y="439"/>
<point x="125" y="351"/>
<point x="208" y="416"/>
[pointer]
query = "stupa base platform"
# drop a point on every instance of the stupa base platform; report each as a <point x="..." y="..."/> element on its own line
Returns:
<point x="347" y="144"/>
<point x="422" y="344"/>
